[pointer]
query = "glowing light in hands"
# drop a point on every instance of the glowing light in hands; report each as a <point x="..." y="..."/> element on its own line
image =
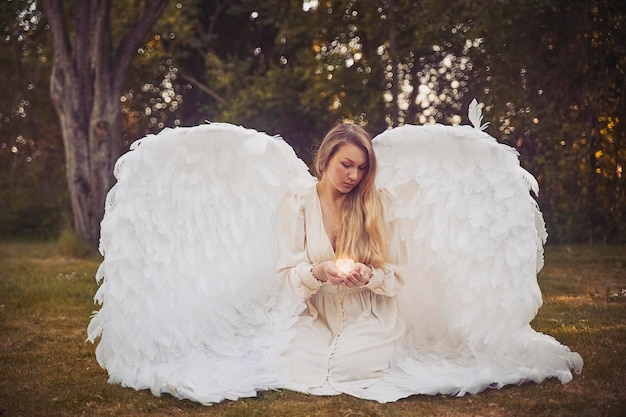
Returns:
<point x="345" y="266"/>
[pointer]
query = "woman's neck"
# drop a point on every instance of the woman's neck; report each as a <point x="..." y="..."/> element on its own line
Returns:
<point x="329" y="194"/>
<point x="330" y="201"/>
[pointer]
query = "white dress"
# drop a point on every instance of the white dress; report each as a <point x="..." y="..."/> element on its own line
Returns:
<point x="192" y="303"/>
<point x="346" y="337"/>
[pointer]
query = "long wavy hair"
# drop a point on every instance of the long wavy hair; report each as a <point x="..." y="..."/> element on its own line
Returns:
<point x="361" y="232"/>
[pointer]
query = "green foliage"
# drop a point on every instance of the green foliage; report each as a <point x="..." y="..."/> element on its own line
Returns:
<point x="33" y="195"/>
<point x="557" y="86"/>
<point x="551" y="74"/>
<point x="71" y="246"/>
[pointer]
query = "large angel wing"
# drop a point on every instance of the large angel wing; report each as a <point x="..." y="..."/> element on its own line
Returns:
<point x="191" y="302"/>
<point x="475" y="238"/>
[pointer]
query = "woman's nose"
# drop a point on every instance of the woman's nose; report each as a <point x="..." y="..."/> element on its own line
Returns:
<point x="352" y="174"/>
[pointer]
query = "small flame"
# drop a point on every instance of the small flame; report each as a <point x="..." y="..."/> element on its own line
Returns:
<point x="344" y="266"/>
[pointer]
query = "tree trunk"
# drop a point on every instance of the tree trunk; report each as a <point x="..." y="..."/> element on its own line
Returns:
<point x="85" y="87"/>
<point x="91" y="147"/>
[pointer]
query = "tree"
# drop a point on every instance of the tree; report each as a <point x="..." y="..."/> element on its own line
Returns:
<point x="86" y="84"/>
<point x="550" y="73"/>
<point x="558" y="84"/>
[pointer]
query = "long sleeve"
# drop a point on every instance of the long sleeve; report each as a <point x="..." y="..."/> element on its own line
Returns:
<point x="294" y="265"/>
<point x="386" y="281"/>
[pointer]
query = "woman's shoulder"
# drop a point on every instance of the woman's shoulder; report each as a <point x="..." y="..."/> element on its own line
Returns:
<point x="385" y="198"/>
<point x="296" y="199"/>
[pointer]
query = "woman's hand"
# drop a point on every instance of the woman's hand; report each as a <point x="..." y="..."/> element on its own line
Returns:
<point x="359" y="276"/>
<point x="328" y="271"/>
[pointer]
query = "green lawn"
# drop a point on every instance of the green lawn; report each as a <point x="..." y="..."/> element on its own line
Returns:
<point x="47" y="369"/>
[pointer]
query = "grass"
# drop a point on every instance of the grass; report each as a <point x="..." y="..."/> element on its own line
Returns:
<point x="47" y="369"/>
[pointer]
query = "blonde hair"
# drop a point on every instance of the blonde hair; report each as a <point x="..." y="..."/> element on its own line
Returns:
<point x="361" y="235"/>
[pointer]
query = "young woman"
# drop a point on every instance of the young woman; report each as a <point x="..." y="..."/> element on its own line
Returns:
<point x="334" y="253"/>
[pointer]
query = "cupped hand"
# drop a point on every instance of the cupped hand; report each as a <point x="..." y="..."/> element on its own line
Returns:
<point x="359" y="276"/>
<point x="332" y="273"/>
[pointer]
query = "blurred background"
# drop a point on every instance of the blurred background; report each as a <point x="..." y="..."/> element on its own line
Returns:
<point x="84" y="79"/>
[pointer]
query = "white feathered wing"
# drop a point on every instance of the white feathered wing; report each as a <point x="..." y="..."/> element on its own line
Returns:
<point x="475" y="238"/>
<point x="192" y="305"/>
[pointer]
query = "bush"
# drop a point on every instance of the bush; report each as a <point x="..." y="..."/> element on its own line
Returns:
<point x="72" y="246"/>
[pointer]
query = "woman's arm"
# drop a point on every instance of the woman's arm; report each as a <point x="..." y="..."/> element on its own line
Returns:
<point x="294" y="266"/>
<point x="385" y="281"/>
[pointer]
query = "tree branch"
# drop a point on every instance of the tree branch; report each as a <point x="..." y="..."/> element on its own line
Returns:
<point x="101" y="44"/>
<point x="129" y="43"/>
<point x="56" y="18"/>
<point x="84" y="30"/>
<point x="62" y="67"/>
<point x="201" y="87"/>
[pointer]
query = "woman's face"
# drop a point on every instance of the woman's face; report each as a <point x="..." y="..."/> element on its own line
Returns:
<point x="346" y="168"/>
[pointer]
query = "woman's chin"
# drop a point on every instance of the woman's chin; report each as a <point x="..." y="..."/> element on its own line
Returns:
<point x="345" y="188"/>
